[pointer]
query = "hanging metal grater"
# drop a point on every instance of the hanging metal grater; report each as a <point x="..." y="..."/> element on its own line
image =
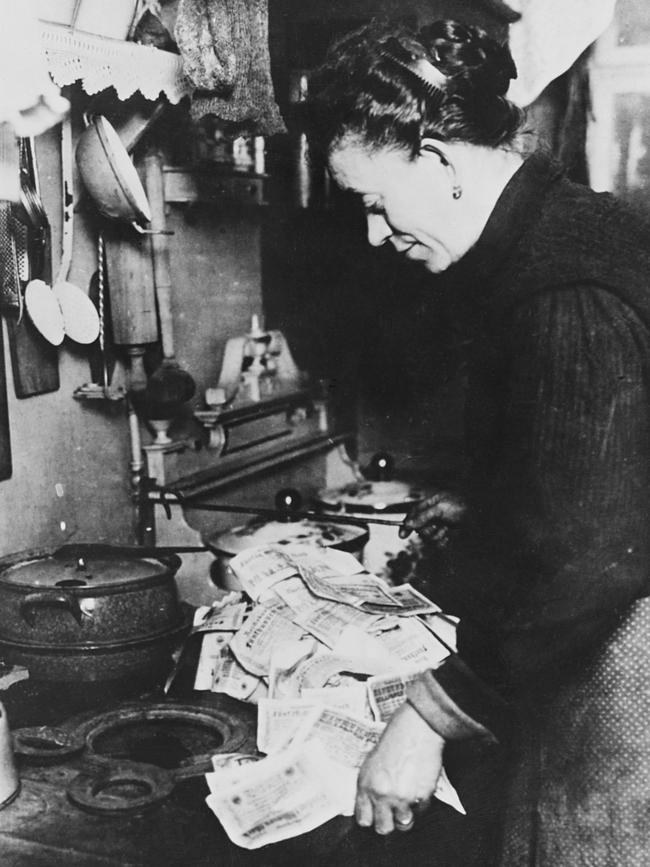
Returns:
<point x="21" y="238"/>
<point x="10" y="295"/>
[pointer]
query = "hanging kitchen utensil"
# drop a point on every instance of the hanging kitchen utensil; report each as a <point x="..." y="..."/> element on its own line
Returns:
<point x="5" y="439"/>
<point x="110" y="177"/>
<point x="7" y="152"/>
<point x="29" y="209"/>
<point x="34" y="361"/>
<point x="80" y="318"/>
<point x="132" y="296"/>
<point x="101" y="356"/>
<point x="63" y="309"/>
<point x="44" y="311"/>
<point x="10" y="296"/>
<point x="107" y="362"/>
<point x="170" y="385"/>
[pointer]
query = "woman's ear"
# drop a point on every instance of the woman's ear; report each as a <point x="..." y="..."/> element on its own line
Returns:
<point x="437" y="149"/>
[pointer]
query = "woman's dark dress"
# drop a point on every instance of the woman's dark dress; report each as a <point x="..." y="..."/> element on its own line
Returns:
<point x="551" y="573"/>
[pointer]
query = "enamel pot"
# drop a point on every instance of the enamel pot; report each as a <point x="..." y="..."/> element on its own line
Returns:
<point x="385" y="554"/>
<point x="93" y="615"/>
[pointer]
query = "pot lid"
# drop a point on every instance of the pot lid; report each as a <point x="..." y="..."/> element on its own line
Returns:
<point x="259" y="532"/>
<point x="371" y="496"/>
<point x="84" y="574"/>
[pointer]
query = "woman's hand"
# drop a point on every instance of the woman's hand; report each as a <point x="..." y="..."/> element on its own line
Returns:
<point x="432" y="517"/>
<point x="399" y="776"/>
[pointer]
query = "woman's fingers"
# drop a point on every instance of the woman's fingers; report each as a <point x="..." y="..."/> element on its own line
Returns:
<point x="381" y="812"/>
<point x="431" y="516"/>
<point x="435" y="533"/>
<point x="386" y="816"/>
<point x="416" y="515"/>
<point x="384" y="819"/>
<point x="363" y="811"/>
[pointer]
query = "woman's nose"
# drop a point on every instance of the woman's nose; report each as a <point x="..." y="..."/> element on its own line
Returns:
<point x="378" y="229"/>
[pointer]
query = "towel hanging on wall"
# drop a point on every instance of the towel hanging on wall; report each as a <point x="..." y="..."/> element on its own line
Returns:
<point x="224" y="47"/>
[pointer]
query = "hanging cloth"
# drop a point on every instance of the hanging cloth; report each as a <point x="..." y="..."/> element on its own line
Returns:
<point x="224" y="47"/>
<point x="548" y="39"/>
<point x="29" y="101"/>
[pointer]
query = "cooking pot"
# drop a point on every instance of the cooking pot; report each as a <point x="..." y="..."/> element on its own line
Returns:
<point x="360" y="497"/>
<point x="385" y="554"/>
<point x="348" y="537"/>
<point x="89" y="615"/>
<point x="109" y="175"/>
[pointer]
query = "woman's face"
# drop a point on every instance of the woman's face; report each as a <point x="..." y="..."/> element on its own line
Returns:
<point x="408" y="202"/>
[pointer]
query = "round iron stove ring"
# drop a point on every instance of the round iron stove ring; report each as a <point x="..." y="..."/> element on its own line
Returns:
<point x="180" y="738"/>
<point x="136" y="753"/>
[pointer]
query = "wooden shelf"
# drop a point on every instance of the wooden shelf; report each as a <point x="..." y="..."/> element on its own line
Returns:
<point x="184" y="185"/>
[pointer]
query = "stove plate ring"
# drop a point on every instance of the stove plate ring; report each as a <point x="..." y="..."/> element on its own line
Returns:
<point x="126" y="787"/>
<point x="147" y="729"/>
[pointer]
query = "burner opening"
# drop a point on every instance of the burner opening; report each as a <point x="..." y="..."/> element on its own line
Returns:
<point x="166" y="743"/>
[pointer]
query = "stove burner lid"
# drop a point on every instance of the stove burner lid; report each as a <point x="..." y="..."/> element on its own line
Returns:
<point x="124" y="788"/>
<point x="137" y="752"/>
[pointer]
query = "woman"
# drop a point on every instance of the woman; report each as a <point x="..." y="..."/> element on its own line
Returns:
<point x="548" y="565"/>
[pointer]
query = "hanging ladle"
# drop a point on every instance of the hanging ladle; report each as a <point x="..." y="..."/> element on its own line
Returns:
<point x="80" y="317"/>
<point x="62" y="309"/>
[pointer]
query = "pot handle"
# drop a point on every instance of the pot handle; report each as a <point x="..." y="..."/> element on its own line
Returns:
<point x="45" y="599"/>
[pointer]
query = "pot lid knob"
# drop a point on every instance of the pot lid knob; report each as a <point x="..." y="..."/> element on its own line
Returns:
<point x="380" y="468"/>
<point x="288" y="502"/>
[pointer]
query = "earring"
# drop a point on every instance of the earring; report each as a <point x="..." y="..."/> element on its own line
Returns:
<point x="457" y="191"/>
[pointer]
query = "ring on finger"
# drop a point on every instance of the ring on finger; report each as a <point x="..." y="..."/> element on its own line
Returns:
<point x="404" y="824"/>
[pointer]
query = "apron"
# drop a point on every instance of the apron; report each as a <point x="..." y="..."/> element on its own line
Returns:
<point x="580" y="792"/>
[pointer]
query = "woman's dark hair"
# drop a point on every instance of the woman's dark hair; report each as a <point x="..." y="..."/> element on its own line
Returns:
<point x="367" y="88"/>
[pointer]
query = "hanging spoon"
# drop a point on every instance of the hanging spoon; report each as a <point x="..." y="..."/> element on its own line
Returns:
<point x="40" y="301"/>
<point x="63" y="309"/>
<point x="80" y="317"/>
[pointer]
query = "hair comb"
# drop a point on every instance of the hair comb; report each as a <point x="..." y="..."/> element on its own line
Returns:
<point x="420" y="68"/>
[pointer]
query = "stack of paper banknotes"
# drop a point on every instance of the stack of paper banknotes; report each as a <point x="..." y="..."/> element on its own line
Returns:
<point x="325" y="650"/>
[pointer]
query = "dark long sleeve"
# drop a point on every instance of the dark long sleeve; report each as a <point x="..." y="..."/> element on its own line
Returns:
<point x="556" y="549"/>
